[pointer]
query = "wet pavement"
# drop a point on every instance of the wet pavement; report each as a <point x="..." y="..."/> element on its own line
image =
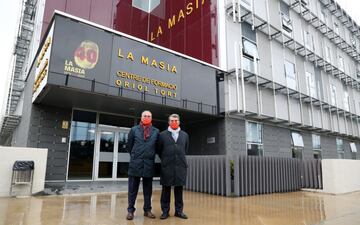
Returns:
<point x="202" y="209"/>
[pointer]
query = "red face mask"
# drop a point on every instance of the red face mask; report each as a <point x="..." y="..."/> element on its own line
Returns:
<point x="174" y="125"/>
<point x="146" y="121"/>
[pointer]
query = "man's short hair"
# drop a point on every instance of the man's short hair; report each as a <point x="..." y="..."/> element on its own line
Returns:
<point x="174" y="116"/>
<point x="145" y="112"/>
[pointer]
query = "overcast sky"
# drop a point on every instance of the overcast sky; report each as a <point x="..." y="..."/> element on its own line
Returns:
<point x="8" y="22"/>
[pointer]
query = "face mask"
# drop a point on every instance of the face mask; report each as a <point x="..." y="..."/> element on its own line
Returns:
<point x="146" y="121"/>
<point x="174" y="125"/>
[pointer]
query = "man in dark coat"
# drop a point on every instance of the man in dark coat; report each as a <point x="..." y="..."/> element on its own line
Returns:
<point x="172" y="147"/>
<point x="142" y="142"/>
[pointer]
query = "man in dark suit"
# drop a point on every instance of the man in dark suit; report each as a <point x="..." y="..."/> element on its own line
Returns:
<point x="172" y="147"/>
<point x="142" y="142"/>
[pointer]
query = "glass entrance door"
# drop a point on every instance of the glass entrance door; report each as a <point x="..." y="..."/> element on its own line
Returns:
<point x="111" y="157"/>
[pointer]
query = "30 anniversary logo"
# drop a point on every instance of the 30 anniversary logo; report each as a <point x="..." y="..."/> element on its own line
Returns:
<point x="86" y="57"/>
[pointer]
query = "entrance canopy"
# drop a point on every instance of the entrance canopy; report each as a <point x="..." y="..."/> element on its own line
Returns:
<point x="71" y="98"/>
<point x="82" y="65"/>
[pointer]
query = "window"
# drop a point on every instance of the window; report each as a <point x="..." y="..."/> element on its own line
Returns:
<point x="333" y="94"/>
<point x="346" y="100"/>
<point x="286" y="21"/>
<point x="316" y="141"/>
<point x="82" y="145"/>
<point x="250" y="51"/>
<point x="353" y="150"/>
<point x="328" y="54"/>
<point x="290" y="75"/>
<point x="146" y="6"/>
<point x="297" y="145"/>
<point x="340" y="148"/>
<point x="353" y="41"/>
<point x="308" y="40"/>
<point x="341" y="63"/>
<point x="336" y="28"/>
<point x="250" y="54"/>
<point x="310" y="84"/>
<point x="254" y="143"/>
<point x="323" y="15"/>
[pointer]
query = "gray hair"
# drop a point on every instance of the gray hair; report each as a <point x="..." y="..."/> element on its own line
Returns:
<point x="175" y="116"/>
<point x="145" y="112"/>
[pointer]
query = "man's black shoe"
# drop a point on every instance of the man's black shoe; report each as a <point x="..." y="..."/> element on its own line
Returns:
<point x="181" y="215"/>
<point x="149" y="214"/>
<point x="164" y="216"/>
<point x="130" y="216"/>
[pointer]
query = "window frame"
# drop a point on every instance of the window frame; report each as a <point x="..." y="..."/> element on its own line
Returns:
<point x="341" y="150"/>
<point x="287" y="77"/>
<point x="311" y="88"/>
<point x="333" y="94"/>
<point x="341" y="63"/>
<point x="353" y="150"/>
<point x="316" y="149"/>
<point x="260" y="144"/>
<point x="346" y="100"/>
<point x="336" y="28"/>
<point x="246" y="53"/>
<point x="328" y="53"/>
<point x="286" y="22"/>
<point x="309" y="40"/>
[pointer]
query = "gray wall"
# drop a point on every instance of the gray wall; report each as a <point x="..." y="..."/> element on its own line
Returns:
<point x="277" y="141"/>
<point x="46" y="132"/>
<point x="200" y="132"/>
<point x="271" y="66"/>
<point x="235" y="136"/>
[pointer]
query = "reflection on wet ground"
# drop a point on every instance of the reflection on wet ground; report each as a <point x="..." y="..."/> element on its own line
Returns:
<point x="276" y="209"/>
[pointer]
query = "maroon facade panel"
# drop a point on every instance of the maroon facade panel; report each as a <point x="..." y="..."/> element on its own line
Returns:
<point x="185" y="26"/>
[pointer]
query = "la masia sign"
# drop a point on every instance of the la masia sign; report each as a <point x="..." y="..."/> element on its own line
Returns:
<point x="115" y="61"/>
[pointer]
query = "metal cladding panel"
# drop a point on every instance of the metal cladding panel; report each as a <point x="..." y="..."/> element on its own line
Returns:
<point x="90" y="59"/>
<point x="189" y="27"/>
<point x="207" y="174"/>
<point x="251" y="175"/>
<point x="262" y="175"/>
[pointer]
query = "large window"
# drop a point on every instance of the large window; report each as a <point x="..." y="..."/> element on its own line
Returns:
<point x="340" y="148"/>
<point x="250" y="56"/>
<point x="353" y="40"/>
<point x="333" y="94"/>
<point x="290" y="75"/>
<point x="353" y="150"/>
<point x="309" y="42"/>
<point x="341" y="63"/>
<point x="250" y="51"/>
<point x="336" y="28"/>
<point x="250" y="48"/>
<point x="316" y="142"/>
<point x="323" y="16"/>
<point x="82" y="145"/>
<point x="346" y="101"/>
<point x="297" y="145"/>
<point x="311" y="85"/>
<point x="254" y="143"/>
<point x="328" y="54"/>
<point x="285" y="18"/>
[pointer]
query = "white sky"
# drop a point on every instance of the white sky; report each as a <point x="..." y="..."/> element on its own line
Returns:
<point x="8" y="22"/>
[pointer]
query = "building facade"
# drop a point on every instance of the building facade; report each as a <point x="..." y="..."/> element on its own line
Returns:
<point x="250" y="77"/>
